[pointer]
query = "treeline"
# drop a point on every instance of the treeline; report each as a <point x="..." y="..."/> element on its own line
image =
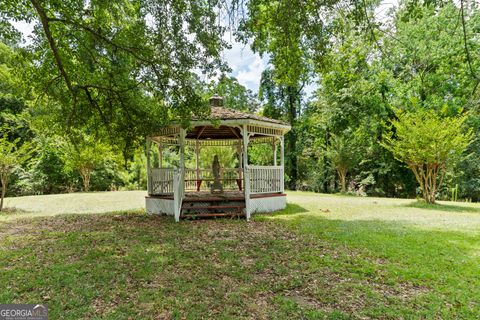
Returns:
<point x="423" y="58"/>
<point x="395" y="111"/>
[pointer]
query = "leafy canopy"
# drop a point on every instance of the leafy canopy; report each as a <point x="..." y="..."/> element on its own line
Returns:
<point x="122" y="67"/>
<point x="423" y="136"/>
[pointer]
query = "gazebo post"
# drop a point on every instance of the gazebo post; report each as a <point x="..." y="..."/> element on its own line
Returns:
<point x="282" y="163"/>
<point x="181" y="142"/>
<point x="197" y="162"/>
<point x="274" y="145"/>
<point x="179" y="178"/>
<point x="149" y="179"/>
<point x="240" y="164"/>
<point x="160" y="155"/>
<point x="246" y="175"/>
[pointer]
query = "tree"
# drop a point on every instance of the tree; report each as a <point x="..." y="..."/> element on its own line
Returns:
<point x="84" y="155"/>
<point x="293" y="34"/>
<point x="11" y="156"/>
<point x="123" y="66"/>
<point x="343" y="152"/>
<point x="429" y="144"/>
<point x="235" y="95"/>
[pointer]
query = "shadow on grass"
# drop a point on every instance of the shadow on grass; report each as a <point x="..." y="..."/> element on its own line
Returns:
<point x="12" y="210"/>
<point x="112" y="262"/>
<point x="291" y="209"/>
<point x="441" y="207"/>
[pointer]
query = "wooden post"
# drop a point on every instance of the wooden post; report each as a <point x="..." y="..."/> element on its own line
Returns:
<point x="240" y="162"/>
<point x="179" y="177"/>
<point x="149" y="178"/>
<point x="246" y="174"/>
<point x="197" y="162"/>
<point x="160" y="155"/>
<point x="274" y="144"/>
<point x="177" y="206"/>
<point x="183" y="134"/>
<point x="282" y="164"/>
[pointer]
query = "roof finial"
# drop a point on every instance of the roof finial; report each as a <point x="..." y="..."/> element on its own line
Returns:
<point x="216" y="101"/>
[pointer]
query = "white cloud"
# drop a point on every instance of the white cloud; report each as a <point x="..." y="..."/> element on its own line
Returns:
<point x="246" y="65"/>
<point x="250" y="71"/>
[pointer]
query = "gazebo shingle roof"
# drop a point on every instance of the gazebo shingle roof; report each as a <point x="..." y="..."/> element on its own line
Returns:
<point x="222" y="113"/>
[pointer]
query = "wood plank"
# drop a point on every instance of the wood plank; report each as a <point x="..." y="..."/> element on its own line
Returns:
<point x="211" y="215"/>
<point x="214" y="207"/>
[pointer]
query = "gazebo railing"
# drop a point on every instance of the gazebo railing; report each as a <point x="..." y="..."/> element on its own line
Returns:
<point x="263" y="179"/>
<point x="201" y="179"/>
<point x="266" y="179"/>
<point x="160" y="181"/>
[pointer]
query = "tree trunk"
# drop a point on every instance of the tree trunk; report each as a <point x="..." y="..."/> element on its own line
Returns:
<point x="85" y="174"/>
<point x="342" y="174"/>
<point x="4" y="190"/>
<point x="291" y="138"/>
<point x="426" y="175"/>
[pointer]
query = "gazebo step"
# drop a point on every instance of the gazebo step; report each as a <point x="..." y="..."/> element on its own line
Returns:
<point x="213" y="207"/>
<point x="213" y="199"/>
<point x="212" y="215"/>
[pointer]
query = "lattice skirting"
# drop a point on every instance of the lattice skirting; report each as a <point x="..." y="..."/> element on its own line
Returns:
<point x="267" y="204"/>
<point x="159" y="206"/>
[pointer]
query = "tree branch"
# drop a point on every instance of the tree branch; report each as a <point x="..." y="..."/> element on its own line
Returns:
<point x="53" y="46"/>
<point x="467" y="51"/>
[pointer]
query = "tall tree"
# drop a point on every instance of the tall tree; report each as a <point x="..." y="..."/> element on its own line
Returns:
<point x="291" y="33"/>
<point x="121" y="65"/>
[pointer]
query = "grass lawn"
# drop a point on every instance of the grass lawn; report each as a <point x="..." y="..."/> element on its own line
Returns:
<point x="325" y="256"/>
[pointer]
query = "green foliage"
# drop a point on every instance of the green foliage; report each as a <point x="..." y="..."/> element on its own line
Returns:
<point x="136" y="176"/>
<point x="235" y="95"/>
<point x="227" y="156"/>
<point x="120" y="67"/>
<point x="84" y="155"/>
<point x="261" y="155"/>
<point x="428" y="144"/>
<point x="117" y="70"/>
<point x="11" y="156"/>
<point x="344" y="153"/>
<point x="418" y="60"/>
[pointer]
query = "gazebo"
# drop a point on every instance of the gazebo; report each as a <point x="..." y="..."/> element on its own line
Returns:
<point x="216" y="191"/>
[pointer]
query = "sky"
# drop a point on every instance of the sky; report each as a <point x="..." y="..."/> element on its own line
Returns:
<point x="246" y="65"/>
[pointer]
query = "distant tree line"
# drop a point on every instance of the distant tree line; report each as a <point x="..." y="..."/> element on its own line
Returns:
<point x="395" y="111"/>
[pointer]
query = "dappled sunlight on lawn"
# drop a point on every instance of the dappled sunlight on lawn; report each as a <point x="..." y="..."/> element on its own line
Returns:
<point x="445" y="215"/>
<point x="68" y="203"/>
<point x="324" y="256"/>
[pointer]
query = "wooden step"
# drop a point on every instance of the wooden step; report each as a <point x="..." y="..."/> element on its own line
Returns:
<point x="213" y="207"/>
<point x="212" y="215"/>
<point x="214" y="199"/>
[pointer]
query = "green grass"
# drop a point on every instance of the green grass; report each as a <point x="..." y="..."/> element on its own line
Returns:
<point x="326" y="257"/>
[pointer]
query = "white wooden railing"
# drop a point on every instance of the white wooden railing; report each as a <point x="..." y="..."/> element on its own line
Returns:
<point x="200" y="180"/>
<point x="160" y="181"/>
<point x="265" y="179"/>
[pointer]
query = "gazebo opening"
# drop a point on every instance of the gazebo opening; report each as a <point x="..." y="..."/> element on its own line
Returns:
<point x="206" y="171"/>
